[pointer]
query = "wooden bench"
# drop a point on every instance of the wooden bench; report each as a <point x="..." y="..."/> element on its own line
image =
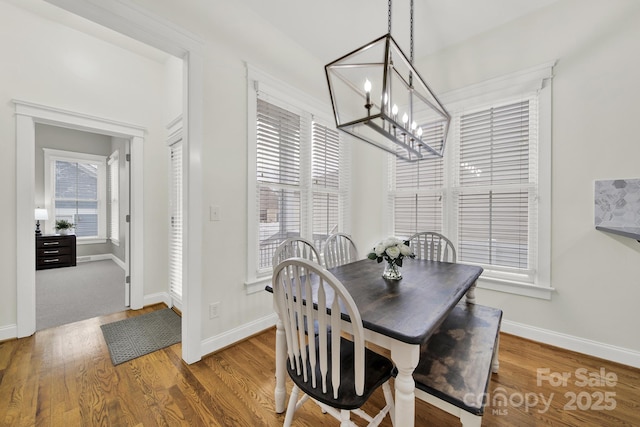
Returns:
<point x="456" y="362"/>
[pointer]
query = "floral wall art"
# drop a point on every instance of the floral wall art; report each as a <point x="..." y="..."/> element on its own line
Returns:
<point x="617" y="203"/>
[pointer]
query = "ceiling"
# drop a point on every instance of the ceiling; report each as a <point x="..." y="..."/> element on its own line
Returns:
<point x="60" y="16"/>
<point x="329" y="29"/>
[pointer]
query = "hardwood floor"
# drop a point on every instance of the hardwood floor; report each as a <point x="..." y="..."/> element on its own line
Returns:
<point x="64" y="377"/>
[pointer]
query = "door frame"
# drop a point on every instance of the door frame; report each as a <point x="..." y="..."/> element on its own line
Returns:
<point x="136" y="22"/>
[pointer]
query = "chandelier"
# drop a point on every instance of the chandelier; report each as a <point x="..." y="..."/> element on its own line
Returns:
<point x="379" y="97"/>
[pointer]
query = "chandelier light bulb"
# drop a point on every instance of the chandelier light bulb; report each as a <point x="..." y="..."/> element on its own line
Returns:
<point x="420" y="132"/>
<point x="414" y="125"/>
<point x="405" y="119"/>
<point x="367" y="86"/>
<point x="394" y="109"/>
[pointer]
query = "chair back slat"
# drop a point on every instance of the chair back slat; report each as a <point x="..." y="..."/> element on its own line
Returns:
<point x="323" y="327"/>
<point x="432" y="246"/>
<point x="335" y="347"/>
<point x="285" y="303"/>
<point x="295" y="279"/>
<point x="295" y="247"/>
<point x="339" y="249"/>
<point x="309" y="322"/>
<point x="299" y="320"/>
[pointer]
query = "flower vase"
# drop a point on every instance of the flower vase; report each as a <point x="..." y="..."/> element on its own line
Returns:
<point x="391" y="271"/>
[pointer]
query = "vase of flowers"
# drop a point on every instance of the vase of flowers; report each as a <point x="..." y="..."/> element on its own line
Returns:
<point x="393" y="251"/>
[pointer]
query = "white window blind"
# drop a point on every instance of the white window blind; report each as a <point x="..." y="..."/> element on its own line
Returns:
<point x="113" y="191"/>
<point x="418" y="191"/>
<point x="175" y="243"/>
<point x="325" y="176"/>
<point x="76" y="190"/>
<point x="279" y="131"/>
<point x="496" y="186"/>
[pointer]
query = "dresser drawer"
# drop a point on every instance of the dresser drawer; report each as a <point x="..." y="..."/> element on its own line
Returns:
<point x="53" y="243"/>
<point x="52" y="262"/>
<point x="53" y="251"/>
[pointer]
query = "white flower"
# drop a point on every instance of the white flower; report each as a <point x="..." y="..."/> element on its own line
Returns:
<point x="379" y="249"/>
<point x="404" y="249"/>
<point x="391" y="241"/>
<point x="393" y="252"/>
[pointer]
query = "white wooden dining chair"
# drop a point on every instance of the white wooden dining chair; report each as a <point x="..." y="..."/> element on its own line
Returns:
<point x="338" y="374"/>
<point x="432" y="246"/>
<point x="339" y="249"/>
<point x="295" y="247"/>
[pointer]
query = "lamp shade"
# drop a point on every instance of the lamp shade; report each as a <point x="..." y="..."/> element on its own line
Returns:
<point x="379" y="97"/>
<point x="41" y="214"/>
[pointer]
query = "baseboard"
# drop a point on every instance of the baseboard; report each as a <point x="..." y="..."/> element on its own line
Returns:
<point x="581" y="345"/>
<point x="101" y="257"/>
<point x="119" y="262"/>
<point x="157" y="298"/>
<point x="97" y="257"/>
<point x="240" y="333"/>
<point x="8" y="332"/>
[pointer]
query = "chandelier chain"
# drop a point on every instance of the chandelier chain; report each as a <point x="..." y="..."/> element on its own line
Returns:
<point x="389" y="16"/>
<point x="411" y="32"/>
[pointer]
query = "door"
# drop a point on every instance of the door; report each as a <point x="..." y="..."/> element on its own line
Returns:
<point x="176" y="221"/>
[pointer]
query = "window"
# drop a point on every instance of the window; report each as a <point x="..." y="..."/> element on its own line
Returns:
<point x="325" y="176"/>
<point x="113" y="171"/>
<point x="278" y="177"/>
<point x="495" y="187"/>
<point x="299" y="165"/>
<point x="490" y="193"/>
<point x="75" y="190"/>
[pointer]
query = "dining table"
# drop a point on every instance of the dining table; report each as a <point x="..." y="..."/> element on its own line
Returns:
<point x="397" y="315"/>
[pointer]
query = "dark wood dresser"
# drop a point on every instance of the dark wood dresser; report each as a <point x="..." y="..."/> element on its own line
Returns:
<point x="55" y="250"/>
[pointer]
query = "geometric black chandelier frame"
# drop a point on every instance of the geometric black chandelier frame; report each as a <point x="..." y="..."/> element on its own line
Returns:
<point x="379" y="97"/>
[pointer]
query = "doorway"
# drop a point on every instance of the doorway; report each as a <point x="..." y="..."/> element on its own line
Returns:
<point x="81" y="177"/>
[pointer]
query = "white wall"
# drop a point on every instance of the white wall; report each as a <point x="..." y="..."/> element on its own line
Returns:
<point x="595" y="136"/>
<point x="46" y="63"/>
<point x="173" y="88"/>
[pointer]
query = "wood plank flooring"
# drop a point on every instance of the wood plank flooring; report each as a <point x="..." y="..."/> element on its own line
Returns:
<point x="64" y="377"/>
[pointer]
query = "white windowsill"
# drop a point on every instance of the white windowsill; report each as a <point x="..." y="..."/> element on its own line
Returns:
<point x="256" y="284"/>
<point x="89" y="241"/>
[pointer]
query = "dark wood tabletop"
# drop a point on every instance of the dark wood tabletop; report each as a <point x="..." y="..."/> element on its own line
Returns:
<point x="409" y="309"/>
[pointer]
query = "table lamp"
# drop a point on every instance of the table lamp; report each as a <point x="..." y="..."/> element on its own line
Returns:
<point x="40" y="214"/>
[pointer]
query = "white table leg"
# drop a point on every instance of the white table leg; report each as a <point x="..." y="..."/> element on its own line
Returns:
<point x="471" y="294"/>
<point x="405" y="356"/>
<point x="281" y="368"/>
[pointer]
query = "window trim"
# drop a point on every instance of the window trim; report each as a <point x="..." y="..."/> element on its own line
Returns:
<point x="51" y="155"/>
<point x="515" y="85"/>
<point x="283" y="95"/>
<point x="113" y="161"/>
